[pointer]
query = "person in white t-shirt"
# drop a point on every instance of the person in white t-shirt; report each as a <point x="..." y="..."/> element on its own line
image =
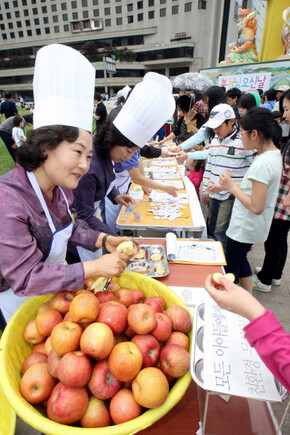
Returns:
<point x="17" y="131"/>
<point x="255" y="197"/>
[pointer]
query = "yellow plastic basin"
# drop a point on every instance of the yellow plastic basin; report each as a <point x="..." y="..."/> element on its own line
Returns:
<point x="14" y="350"/>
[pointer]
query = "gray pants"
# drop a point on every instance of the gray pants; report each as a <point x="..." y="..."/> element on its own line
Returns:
<point x="219" y="216"/>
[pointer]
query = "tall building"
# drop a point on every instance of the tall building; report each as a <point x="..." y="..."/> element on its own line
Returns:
<point x="167" y="36"/>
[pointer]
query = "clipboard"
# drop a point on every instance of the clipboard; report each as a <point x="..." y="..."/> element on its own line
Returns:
<point x="194" y="251"/>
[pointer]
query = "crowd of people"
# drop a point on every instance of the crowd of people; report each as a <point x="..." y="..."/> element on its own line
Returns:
<point x="235" y="152"/>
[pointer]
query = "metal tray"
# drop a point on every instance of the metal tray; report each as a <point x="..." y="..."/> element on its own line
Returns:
<point x="148" y="260"/>
<point x="197" y="352"/>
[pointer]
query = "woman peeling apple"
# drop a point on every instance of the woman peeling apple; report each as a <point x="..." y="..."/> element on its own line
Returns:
<point x="36" y="196"/>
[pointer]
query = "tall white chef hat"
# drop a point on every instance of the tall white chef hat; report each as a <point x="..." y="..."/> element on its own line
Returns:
<point x="63" y="87"/>
<point x="147" y="108"/>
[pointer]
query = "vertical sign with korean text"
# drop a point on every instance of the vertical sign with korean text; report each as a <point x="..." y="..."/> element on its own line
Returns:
<point x="231" y="365"/>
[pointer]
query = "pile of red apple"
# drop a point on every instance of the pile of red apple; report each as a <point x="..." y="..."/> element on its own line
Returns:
<point x="104" y="358"/>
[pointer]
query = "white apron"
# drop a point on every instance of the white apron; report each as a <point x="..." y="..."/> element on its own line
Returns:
<point x="85" y="254"/>
<point x="9" y="302"/>
<point x="123" y="181"/>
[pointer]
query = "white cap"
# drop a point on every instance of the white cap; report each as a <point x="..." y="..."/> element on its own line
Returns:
<point x="282" y="88"/>
<point x="147" y="108"/>
<point x="124" y="92"/>
<point x="63" y="87"/>
<point x="219" y="114"/>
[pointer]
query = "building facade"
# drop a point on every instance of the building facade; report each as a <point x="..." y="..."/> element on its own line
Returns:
<point x="167" y="36"/>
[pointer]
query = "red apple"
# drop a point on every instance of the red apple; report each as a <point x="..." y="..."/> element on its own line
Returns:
<point x="74" y="369"/>
<point x="130" y="332"/>
<point x="97" y="340"/>
<point x="163" y="327"/>
<point x="215" y="278"/>
<point x="141" y="318"/>
<point x="46" y="321"/>
<point x="128" y="247"/>
<point x="103" y="384"/>
<point x="39" y="347"/>
<point x="53" y="361"/>
<point x="181" y="319"/>
<point x="84" y="308"/>
<point x="138" y="296"/>
<point x="96" y="414"/>
<point x="125" y="361"/>
<point x="33" y="358"/>
<point x="37" y="383"/>
<point x="61" y="302"/>
<point x="47" y="345"/>
<point x="43" y="307"/>
<point x="65" y="337"/>
<point x="149" y="347"/>
<point x="159" y="299"/>
<point x="124" y="296"/>
<point x="113" y="286"/>
<point x="114" y="315"/>
<point x="150" y="387"/>
<point x="175" y="360"/>
<point x="179" y="338"/>
<point x="88" y="283"/>
<point x="123" y="406"/>
<point x="67" y="405"/>
<point x="31" y="334"/>
<point x="105" y="296"/>
<point x="155" y="305"/>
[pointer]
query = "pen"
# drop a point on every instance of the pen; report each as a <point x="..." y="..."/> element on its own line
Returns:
<point x="201" y="246"/>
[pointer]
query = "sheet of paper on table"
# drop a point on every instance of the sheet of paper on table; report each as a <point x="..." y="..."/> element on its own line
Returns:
<point x="165" y="175"/>
<point x="155" y="196"/>
<point x="163" y="162"/>
<point x="176" y="183"/>
<point x="194" y="251"/>
<point x="231" y="365"/>
<point x="168" y="169"/>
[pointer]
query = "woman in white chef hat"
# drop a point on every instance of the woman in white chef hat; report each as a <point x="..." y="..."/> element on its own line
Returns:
<point x="147" y="108"/>
<point x="35" y="197"/>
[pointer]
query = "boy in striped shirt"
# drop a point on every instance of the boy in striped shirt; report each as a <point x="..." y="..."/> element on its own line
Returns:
<point x="226" y="153"/>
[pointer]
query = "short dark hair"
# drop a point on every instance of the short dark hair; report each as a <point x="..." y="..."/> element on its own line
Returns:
<point x="184" y="103"/>
<point x="8" y="95"/>
<point x="234" y="92"/>
<point x="276" y="114"/>
<point x="31" y="154"/>
<point x="270" y="94"/>
<point x="108" y="137"/>
<point x="28" y="118"/>
<point x="98" y="96"/>
<point x="16" y="120"/>
<point x="247" y="101"/>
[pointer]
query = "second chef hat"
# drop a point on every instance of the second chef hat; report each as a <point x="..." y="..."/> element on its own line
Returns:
<point x="147" y="108"/>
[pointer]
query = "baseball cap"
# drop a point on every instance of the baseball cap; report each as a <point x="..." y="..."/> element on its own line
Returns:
<point x="219" y="114"/>
<point x="282" y="88"/>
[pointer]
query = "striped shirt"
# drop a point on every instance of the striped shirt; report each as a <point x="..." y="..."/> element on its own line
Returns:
<point x="280" y="211"/>
<point x="228" y="153"/>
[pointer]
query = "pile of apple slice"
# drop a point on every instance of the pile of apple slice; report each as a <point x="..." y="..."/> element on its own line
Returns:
<point x="104" y="358"/>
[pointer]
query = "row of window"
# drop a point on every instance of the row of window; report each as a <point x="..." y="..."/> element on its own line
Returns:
<point x="75" y="16"/>
<point x="84" y="4"/>
<point x="107" y="11"/>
